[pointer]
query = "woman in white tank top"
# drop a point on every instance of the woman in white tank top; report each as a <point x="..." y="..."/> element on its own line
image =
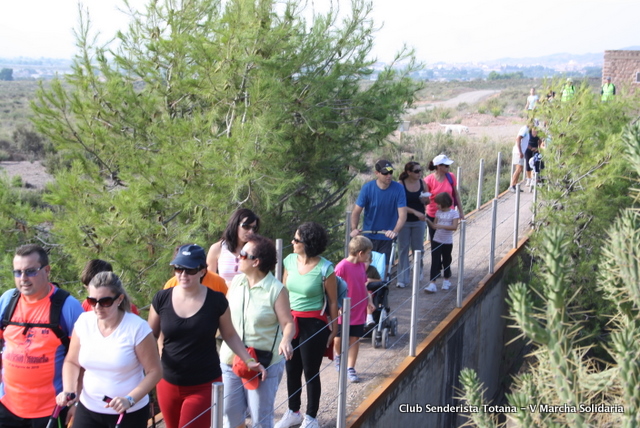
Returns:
<point x="223" y="256"/>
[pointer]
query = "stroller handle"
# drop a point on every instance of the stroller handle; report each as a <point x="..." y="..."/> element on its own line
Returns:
<point x="376" y="232"/>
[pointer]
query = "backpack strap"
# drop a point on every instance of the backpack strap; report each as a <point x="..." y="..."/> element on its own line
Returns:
<point x="55" y="310"/>
<point x="453" y="189"/>
<point x="10" y="309"/>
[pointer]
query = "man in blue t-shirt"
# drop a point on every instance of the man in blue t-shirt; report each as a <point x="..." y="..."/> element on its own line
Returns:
<point x="385" y="209"/>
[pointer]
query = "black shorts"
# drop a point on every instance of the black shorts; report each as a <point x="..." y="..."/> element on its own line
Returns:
<point x="528" y="154"/>
<point x="354" y="330"/>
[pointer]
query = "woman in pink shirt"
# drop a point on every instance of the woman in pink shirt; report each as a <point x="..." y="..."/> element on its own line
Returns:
<point x="441" y="180"/>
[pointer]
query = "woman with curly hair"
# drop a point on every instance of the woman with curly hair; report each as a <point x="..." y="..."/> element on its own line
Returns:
<point x="224" y="256"/>
<point x="303" y="277"/>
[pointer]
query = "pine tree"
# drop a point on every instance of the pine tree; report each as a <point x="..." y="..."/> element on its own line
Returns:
<point x="203" y="108"/>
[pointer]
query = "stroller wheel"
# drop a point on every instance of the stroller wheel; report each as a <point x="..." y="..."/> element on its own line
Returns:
<point x="385" y="338"/>
<point x="393" y="330"/>
<point x="375" y="342"/>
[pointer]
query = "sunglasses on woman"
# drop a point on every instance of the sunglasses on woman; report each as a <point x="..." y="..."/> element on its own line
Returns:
<point x="247" y="226"/>
<point x="417" y="171"/>
<point x="244" y="255"/>
<point x="105" y="302"/>
<point x="180" y="269"/>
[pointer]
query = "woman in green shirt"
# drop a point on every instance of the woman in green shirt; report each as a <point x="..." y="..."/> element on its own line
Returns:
<point x="315" y="331"/>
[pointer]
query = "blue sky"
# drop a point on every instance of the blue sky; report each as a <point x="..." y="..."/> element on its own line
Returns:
<point x="451" y="31"/>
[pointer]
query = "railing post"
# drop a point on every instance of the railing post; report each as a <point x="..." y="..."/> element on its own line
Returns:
<point x="347" y="233"/>
<point x="459" y="178"/>
<point x="461" y="245"/>
<point x="535" y="199"/>
<point x="492" y="250"/>
<point x="414" y="303"/>
<point x="480" y="180"/>
<point x="341" y="420"/>
<point x="498" y="175"/>
<point x="279" y="258"/>
<point x="516" y="220"/>
<point x="217" y="400"/>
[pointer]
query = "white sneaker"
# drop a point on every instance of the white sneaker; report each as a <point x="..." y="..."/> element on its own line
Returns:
<point x="432" y="288"/>
<point x="309" y="422"/>
<point x="401" y="285"/>
<point x="291" y="418"/>
<point x="446" y="284"/>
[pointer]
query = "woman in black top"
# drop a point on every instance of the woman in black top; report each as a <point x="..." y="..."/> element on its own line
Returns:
<point x="185" y="319"/>
<point x="412" y="234"/>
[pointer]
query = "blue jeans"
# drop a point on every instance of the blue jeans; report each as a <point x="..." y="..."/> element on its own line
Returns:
<point x="259" y="401"/>
<point x="411" y="236"/>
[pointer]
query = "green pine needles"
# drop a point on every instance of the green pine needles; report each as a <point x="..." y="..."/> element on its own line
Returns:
<point x="201" y="108"/>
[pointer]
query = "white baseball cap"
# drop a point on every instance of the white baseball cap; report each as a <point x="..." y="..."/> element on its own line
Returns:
<point x="442" y="160"/>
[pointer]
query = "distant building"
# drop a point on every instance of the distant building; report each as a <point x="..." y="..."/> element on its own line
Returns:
<point x="624" y="69"/>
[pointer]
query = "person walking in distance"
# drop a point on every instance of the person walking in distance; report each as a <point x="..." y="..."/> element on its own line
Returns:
<point x="518" y="154"/>
<point x="608" y="90"/>
<point x="37" y="322"/>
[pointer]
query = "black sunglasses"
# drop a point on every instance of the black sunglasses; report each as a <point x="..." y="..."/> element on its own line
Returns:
<point x="28" y="272"/>
<point x="386" y="172"/>
<point x="180" y="269"/>
<point x="105" y="302"/>
<point x="244" y="255"/>
<point x="297" y="241"/>
<point x="417" y="171"/>
<point x="247" y="226"/>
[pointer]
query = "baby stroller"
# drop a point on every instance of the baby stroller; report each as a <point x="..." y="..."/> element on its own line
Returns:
<point x="537" y="165"/>
<point x="385" y="325"/>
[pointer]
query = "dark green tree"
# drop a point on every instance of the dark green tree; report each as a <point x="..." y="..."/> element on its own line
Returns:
<point x="206" y="108"/>
<point x="6" y="74"/>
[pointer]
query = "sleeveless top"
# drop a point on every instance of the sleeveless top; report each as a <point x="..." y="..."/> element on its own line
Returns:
<point x="413" y="201"/>
<point x="227" y="264"/>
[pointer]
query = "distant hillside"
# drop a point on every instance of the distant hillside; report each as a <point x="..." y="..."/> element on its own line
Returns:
<point x="555" y="60"/>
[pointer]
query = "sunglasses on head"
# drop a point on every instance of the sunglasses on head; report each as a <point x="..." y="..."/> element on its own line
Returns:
<point x="247" y="226"/>
<point x="30" y="273"/>
<point x="244" y="255"/>
<point x="105" y="302"/>
<point x="180" y="269"/>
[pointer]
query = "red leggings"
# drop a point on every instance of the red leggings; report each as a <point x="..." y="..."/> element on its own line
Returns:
<point x="182" y="404"/>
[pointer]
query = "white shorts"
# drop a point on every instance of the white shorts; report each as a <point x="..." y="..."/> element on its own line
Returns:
<point x="515" y="157"/>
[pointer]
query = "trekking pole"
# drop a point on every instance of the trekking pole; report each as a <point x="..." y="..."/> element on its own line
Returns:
<point x="57" y="410"/>
<point x="119" y="420"/>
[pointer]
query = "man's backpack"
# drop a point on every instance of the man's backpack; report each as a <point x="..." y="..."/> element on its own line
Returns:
<point x="57" y="301"/>
<point x="341" y="286"/>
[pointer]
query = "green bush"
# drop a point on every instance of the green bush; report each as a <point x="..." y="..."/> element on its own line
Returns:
<point x="16" y="181"/>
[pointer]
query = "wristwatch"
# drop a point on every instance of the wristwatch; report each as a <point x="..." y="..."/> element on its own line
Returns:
<point x="132" y="402"/>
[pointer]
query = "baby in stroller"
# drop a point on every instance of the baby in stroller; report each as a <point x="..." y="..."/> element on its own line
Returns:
<point x="537" y="165"/>
<point x="378" y="323"/>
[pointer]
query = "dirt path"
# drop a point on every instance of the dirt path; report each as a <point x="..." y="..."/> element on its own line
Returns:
<point x="467" y="97"/>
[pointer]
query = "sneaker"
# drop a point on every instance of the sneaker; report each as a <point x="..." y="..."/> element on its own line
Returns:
<point x="291" y="418"/>
<point x="512" y="189"/>
<point x="336" y="362"/>
<point x="352" y="375"/>
<point x="401" y="285"/>
<point x="446" y="284"/>
<point x="432" y="288"/>
<point x="309" y="422"/>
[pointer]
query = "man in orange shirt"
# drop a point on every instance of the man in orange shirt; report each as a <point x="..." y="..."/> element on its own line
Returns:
<point x="34" y="345"/>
